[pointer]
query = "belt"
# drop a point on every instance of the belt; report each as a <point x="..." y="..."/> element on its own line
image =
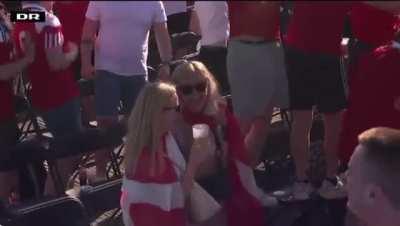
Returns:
<point x="363" y="45"/>
<point x="254" y="42"/>
<point x="212" y="47"/>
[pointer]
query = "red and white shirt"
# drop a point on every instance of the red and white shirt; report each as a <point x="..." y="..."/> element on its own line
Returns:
<point x="7" y="107"/>
<point x="50" y="89"/>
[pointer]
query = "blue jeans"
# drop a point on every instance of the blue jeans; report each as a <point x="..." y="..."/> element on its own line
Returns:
<point x="65" y="119"/>
<point x="111" y="88"/>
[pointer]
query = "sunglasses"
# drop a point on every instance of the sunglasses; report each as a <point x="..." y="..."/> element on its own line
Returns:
<point x="174" y="108"/>
<point x="188" y="89"/>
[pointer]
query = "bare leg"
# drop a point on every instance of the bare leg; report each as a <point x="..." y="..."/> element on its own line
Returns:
<point x="103" y="156"/>
<point x="332" y="124"/>
<point x="299" y="141"/>
<point x="8" y="181"/>
<point x="65" y="167"/>
<point x="88" y="109"/>
<point x="255" y="137"/>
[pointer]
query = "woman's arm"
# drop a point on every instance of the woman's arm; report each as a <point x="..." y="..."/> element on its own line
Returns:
<point x="197" y="157"/>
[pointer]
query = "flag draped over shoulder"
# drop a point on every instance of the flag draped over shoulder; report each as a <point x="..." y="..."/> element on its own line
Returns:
<point x="244" y="207"/>
<point x="155" y="198"/>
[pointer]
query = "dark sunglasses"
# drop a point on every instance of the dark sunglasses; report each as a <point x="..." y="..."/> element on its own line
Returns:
<point x="188" y="89"/>
<point x="175" y="108"/>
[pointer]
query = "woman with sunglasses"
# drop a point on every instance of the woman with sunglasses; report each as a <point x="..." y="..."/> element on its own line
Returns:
<point x="9" y="68"/>
<point x="156" y="177"/>
<point x="226" y="173"/>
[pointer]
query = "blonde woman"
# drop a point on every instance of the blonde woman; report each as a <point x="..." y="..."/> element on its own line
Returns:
<point x="226" y="173"/>
<point x="156" y="177"/>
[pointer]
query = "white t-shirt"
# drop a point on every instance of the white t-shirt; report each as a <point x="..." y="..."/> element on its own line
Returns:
<point x="122" y="43"/>
<point x="174" y="7"/>
<point x="214" y="22"/>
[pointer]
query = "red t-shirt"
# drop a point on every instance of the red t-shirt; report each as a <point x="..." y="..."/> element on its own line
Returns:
<point x="372" y="25"/>
<point x="257" y="18"/>
<point x="317" y="27"/>
<point x="72" y="17"/>
<point x="372" y="99"/>
<point x="7" y="106"/>
<point x="50" y="89"/>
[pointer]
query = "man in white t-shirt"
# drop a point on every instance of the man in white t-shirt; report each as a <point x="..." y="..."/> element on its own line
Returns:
<point x="210" y="20"/>
<point x="121" y="49"/>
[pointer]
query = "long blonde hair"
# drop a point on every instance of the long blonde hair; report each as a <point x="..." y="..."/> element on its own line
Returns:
<point x="196" y="68"/>
<point x="143" y="128"/>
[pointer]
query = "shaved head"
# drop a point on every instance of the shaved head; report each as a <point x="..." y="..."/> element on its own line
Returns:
<point x="381" y="161"/>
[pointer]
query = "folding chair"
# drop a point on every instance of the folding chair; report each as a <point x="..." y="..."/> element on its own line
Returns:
<point x="62" y="211"/>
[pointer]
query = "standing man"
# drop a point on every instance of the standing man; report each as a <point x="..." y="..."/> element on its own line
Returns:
<point x="374" y="169"/>
<point x="209" y="19"/>
<point x="314" y="73"/>
<point x="256" y="69"/>
<point x="55" y="94"/>
<point x="377" y="92"/>
<point x="120" y="69"/>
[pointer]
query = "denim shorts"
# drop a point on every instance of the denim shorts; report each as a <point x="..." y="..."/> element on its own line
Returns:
<point x="315" y="80"/>
<point x="111" y="89"/>
<point x="65" y="119"/>
<point x="257" y="77"/>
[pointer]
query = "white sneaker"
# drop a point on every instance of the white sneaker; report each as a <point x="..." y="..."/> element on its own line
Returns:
<point x="329" y="190"/>
<point x="302" y="190"/>
<point x="268" y="200"/>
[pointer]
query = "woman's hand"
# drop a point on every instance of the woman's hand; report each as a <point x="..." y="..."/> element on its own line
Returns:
<point x="201" y="150"/>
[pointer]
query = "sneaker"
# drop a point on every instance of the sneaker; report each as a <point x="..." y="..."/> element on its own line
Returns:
<point x="268" y="200"/>
<point x="331" y="189"/>
<point x="302" y="190"/>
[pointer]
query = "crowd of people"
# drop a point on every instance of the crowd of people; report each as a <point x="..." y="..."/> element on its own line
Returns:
<point x="247" y="49"/>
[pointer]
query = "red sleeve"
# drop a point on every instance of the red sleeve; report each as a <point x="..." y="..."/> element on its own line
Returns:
<point x="53" y="37"/>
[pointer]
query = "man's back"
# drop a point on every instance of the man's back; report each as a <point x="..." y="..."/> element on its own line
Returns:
<point x="123" y="34"/>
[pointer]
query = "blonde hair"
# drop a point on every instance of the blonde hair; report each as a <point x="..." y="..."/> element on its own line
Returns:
<point x="143" y="124"/>
<point x="196" y="68"/>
